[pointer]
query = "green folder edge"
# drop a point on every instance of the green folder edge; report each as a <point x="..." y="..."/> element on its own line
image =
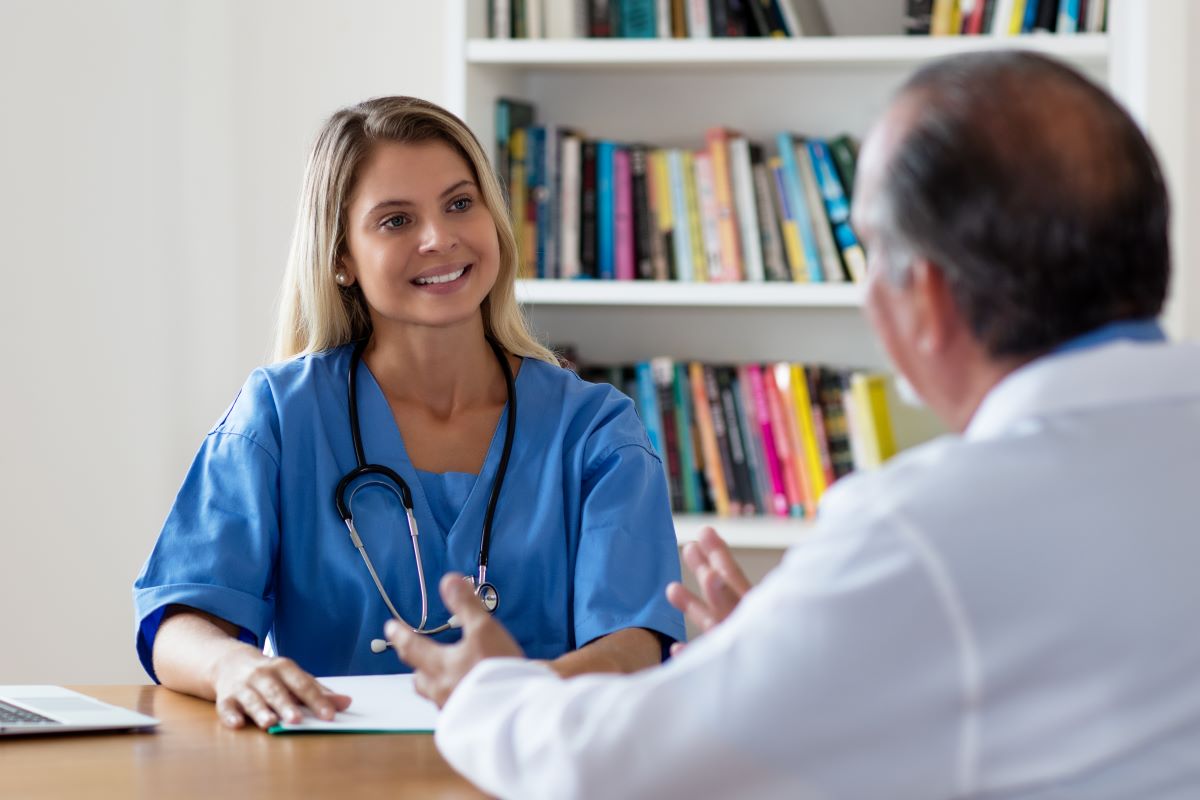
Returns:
<point x="279" y="729"/>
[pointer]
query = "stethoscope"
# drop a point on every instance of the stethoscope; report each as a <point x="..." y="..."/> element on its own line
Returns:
<point x="387" y="478"/>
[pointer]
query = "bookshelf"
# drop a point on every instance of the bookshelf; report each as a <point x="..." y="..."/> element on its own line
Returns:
<point x="669" y="92"/>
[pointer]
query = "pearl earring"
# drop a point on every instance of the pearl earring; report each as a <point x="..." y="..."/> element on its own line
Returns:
<point x="340" y="277"/>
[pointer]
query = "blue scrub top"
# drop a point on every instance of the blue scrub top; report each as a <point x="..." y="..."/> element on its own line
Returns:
<point x="582" y="543"/>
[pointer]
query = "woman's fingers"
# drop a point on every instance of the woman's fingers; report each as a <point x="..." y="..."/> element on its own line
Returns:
<point x="256" y="708"/>
<point x="323" y="703"/>
<point x="230" y="712"/>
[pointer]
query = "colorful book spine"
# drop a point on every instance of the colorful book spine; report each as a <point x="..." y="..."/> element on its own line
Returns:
<point x="700" y="267"/>
<point x="789" y="230"/>
<point x="731" y="267"/>
<point x="831" y="260"/>
<point x="587" y="209"/>
<point x="775" y="266"/>
<point x="837" y="208"/>
<point x="702" y="162"/>
<point x="802" y="404"/>
<point x="799" y="208"/>
<point x="779" y="504"/>
<point x="518" y="189"/>
<point x="623" y="231"/>
<point x="658" y="182"/>
<point x="784" y="440"/>
<point x="681" y="233"/>
<point x="568" y="214"/>
<point x="693" y="495"/>
<point x="713" y="392"/>
<point x="741" y="170"/>
<point x="647" y="406"/>
<point x="713" y="471"/>
<point x="606" y="250"/>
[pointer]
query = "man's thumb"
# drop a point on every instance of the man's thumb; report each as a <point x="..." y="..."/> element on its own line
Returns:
<point x="458" y="593"/>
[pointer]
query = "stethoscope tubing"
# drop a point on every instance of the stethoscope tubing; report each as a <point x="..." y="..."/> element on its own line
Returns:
<point x="392" y="481"/>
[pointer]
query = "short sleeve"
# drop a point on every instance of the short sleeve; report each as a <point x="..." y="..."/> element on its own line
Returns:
<point x="627" y="551"/>
<point x="218" y="547"/>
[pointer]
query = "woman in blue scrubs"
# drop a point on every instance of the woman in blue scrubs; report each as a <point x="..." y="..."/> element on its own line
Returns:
<point x="404" y="259"/>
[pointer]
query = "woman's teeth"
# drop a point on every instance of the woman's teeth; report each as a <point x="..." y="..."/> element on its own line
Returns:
<point x="449" y="276"/>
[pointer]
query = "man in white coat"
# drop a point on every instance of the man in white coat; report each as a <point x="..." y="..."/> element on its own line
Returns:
<point x="1010" y="610"/>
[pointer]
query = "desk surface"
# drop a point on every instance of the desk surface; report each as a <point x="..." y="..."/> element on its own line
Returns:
<point x="191" y="754"/>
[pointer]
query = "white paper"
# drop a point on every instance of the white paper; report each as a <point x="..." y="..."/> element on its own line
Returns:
<point x="382" y="703"/>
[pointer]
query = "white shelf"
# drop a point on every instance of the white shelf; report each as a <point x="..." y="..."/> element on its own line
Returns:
<point x="744" y="533"/>
<point x="688" y="295"/>
<point x="723" y="54"/>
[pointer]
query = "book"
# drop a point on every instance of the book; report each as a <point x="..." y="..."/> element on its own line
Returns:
<point x="734" y="440"/>
<point x="798" y="208"/>
<point x="845" y="155"/>
<point x="643" y="219"/>
<point x="690" y="465"/>
<point x="662" y="371"/>
<point x="568" y="209"/>
<point x="756" y="461"/>
<point x="637" y="19"/>
<point x="872" y="418"/>
<point x="661" y="205"/>
<point x="588" y="249"/>
<point x="726" y="217"/>
<point x="942" y="22"/>
<point x="837" y="210"/>
<point x="499" y="20"/>
<point x="789" y="230"/>
<point x="511" y="114"/>
<point x="623" y="233"/>
<point x="774" y="261"/>
<point x="804" y="17"/>
<point x="778" y="503"/>
<point x="646" y="402"/>
<point x="700" y="261"/>
<point x="917" y="17"/>
<point x="707" y="208"/>
<point x="681" y="232"/>
<point x="606" y="210"/>
<point x="777" y="380"/>
<point x="712" y="392"/>
<point x="697" y="19"/>
<point x="518" y="191"/>
<point x="566" y="19"/>
<point x="831" y="260"/>
<point x="745" y="203"/>
<point x="809" y="449"/>
<point x="714" y="472"/>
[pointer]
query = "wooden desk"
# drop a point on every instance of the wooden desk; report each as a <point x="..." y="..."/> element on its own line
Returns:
<point x="190" y="754"/>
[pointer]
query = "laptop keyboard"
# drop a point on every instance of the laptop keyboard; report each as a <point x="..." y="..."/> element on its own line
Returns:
<point x="11" y="715"/>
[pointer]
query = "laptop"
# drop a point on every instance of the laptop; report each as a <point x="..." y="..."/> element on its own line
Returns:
<point x="28" y="710"/>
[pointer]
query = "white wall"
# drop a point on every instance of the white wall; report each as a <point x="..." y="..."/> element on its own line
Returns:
<point x="150" y="160"/>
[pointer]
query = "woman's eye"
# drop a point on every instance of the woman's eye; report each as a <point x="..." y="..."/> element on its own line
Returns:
<point x="395" y="222"/>
<point x="461" y="204"/>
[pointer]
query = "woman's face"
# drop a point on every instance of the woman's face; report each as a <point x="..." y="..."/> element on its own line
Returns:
<point x="419" y="239"/>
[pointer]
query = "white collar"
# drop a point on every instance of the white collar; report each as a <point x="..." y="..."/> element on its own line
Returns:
<point x="1108" y="375"/>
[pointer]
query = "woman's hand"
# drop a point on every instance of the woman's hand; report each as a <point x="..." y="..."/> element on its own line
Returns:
<point x="722" y="583"/>
<point x="268" y="690"/>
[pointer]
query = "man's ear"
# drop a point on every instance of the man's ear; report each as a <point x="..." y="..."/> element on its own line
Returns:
<point x="935" y="316"/>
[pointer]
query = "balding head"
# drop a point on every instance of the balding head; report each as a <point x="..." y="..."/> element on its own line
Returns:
<point x="1032" y="191"/>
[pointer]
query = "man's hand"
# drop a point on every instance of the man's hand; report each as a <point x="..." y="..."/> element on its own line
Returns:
<point x="722" y="583"/>
<point x="438" y="668"/>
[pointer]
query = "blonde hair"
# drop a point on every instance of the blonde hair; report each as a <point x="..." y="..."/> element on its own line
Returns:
<point x="315" y="313"/>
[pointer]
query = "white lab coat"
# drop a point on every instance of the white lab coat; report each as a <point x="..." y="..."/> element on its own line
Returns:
<point x="1014" y="612"/>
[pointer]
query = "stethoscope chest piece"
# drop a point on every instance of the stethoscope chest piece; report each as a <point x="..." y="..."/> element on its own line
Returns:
<point x="488" y="595"/>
